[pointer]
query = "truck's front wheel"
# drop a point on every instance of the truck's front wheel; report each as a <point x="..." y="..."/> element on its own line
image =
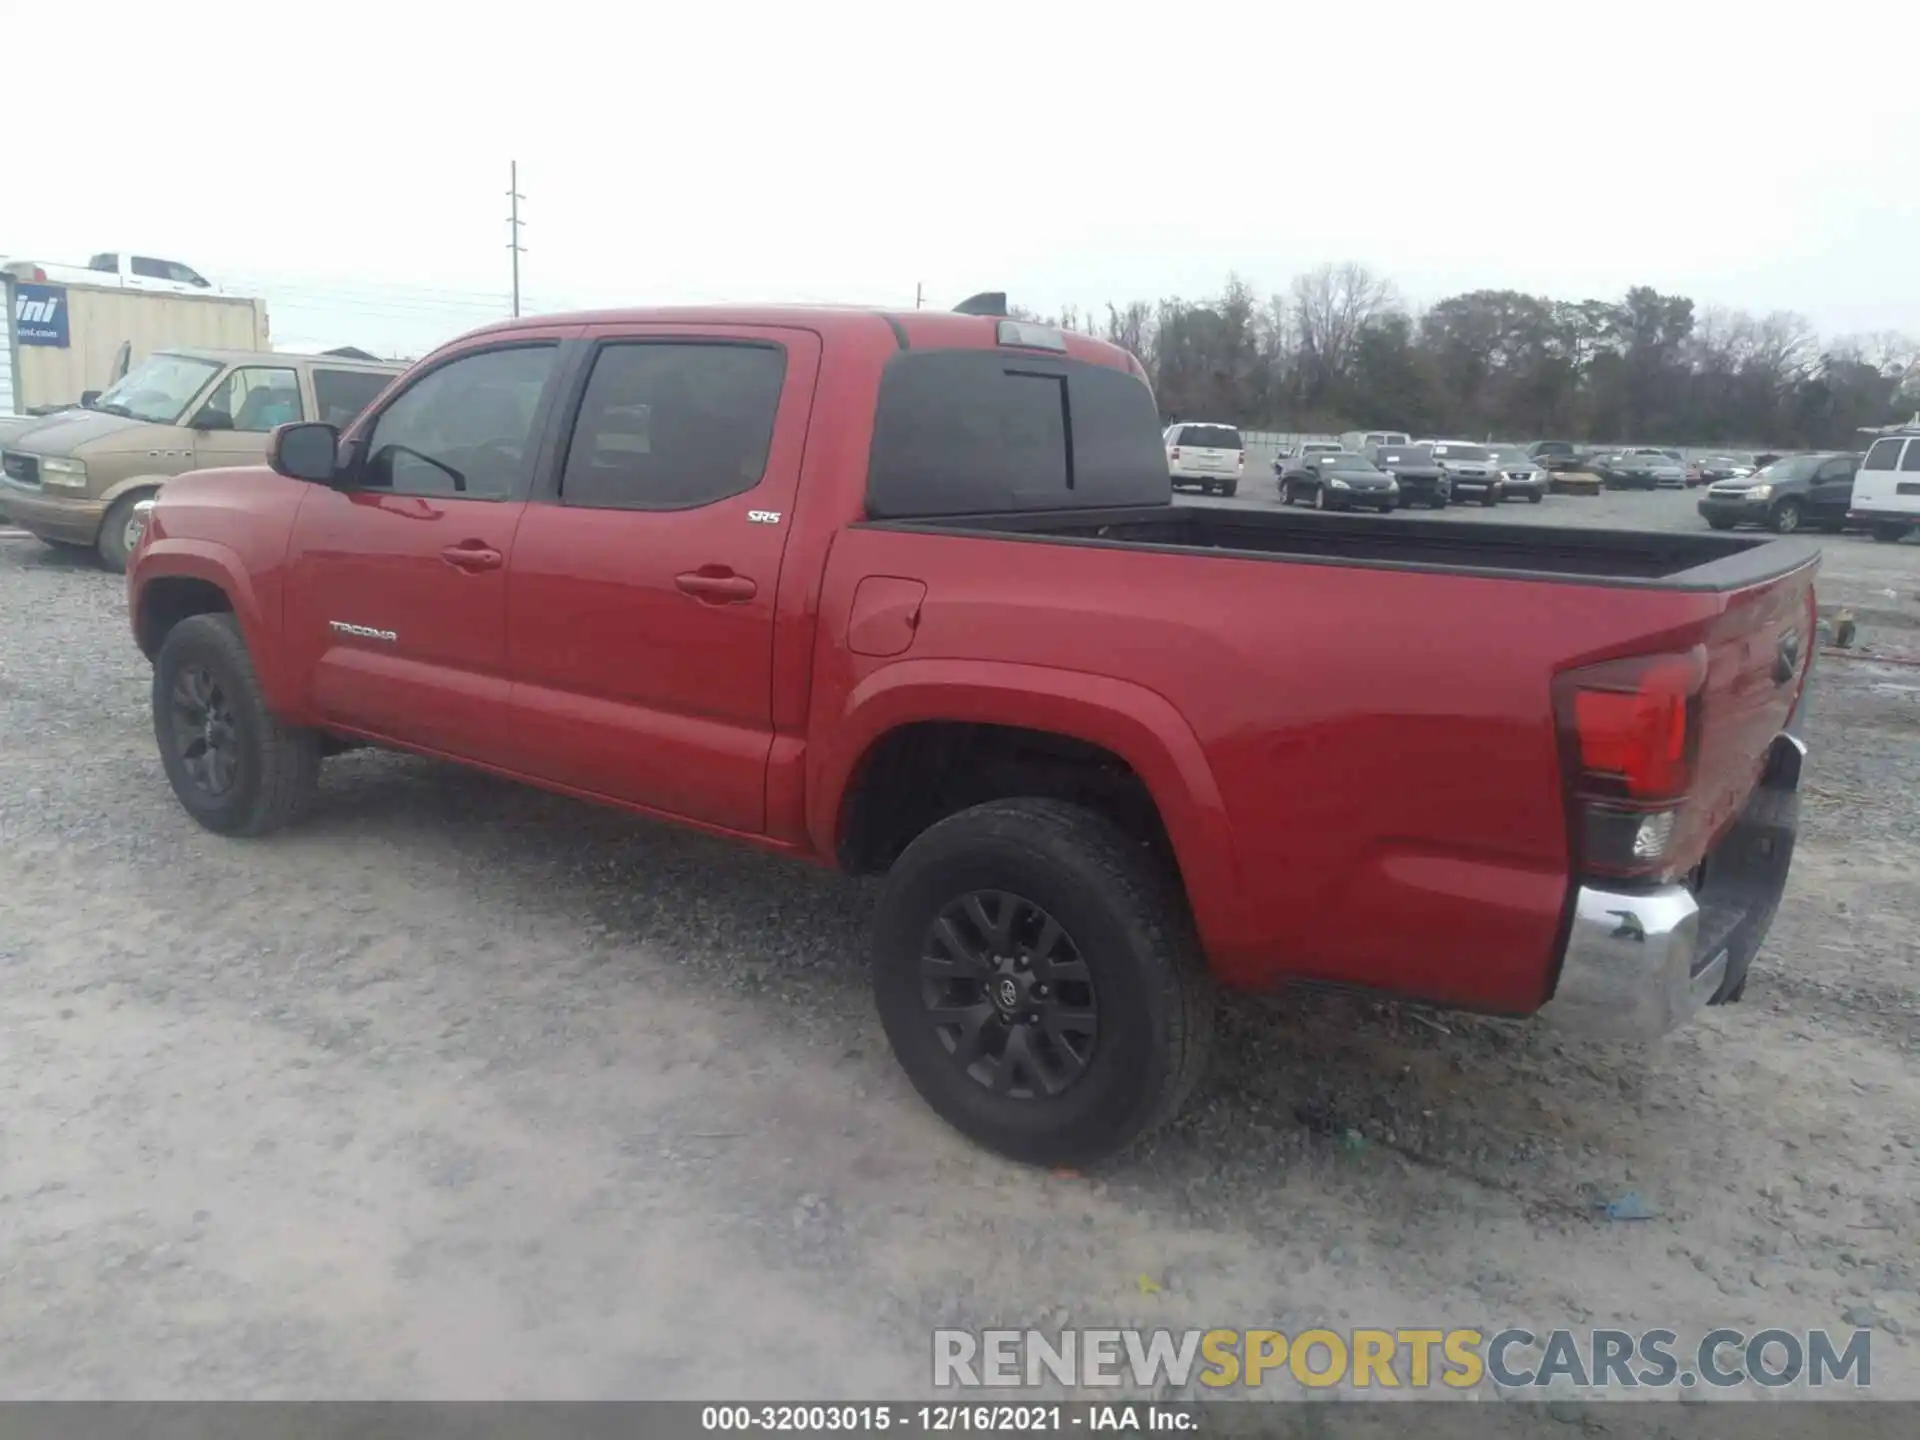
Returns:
<point x="1039" y="981"/>
<point x="235" y="768"/>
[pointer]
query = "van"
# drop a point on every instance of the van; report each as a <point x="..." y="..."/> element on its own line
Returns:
<point x="74" y="477"/>
<point x="1365" y="442"/>
<point x="1886" y="491"/>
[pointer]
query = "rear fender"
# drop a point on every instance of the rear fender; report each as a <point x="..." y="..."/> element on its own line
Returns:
<point x="1134" y="723"/>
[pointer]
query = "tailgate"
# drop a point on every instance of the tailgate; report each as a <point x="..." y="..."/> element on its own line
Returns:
<point x="1758" y="656"/>
<point x="1219" y="462"/>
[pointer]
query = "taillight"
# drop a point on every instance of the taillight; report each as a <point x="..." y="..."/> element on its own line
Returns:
<point x="39" y="275"/>
<point x="1174" y="454"/>
<point x="1631" y="734"/>
<point x="1240" y="460"/>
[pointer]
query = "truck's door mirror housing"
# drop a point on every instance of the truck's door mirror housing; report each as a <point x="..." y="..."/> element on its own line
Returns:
<point x="305" y="451"/>
<point x="211" y="419"/>
<point x="88" y="398"/>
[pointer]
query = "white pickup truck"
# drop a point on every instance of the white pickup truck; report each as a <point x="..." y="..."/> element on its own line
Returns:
<point x="1211" y="457"/>
<point x="129" y="272"/>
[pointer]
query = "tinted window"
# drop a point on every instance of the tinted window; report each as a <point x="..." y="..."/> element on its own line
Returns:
<point x="465" y="428"/>
<point x="1912" y="459"/>
<point x="1210" y="437"/>
<point x="340" y="395"/>
<point x="665" y="426"/>
<point x="1882" y="455"/>
<point x="104" y="262"/>
<point x="257" y="397"/>
<point x="153" y="269"/>
<point x="1794" y="467"/>
<point x="1470" y="453"/>
<point x="967" y="432"/>
<point x="1838" y="469"/>
<point x="1346" y="462"/>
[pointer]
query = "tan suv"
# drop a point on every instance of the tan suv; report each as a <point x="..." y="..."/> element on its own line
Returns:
<point x="74" y="477"/>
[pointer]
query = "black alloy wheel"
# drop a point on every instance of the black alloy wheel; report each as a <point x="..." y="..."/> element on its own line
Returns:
<point x="1008" y="995"/>
<point x="202" y="731"/>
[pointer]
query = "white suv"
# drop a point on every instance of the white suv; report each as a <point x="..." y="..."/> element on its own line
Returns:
<point x="1209" y="456"/>
<point x="1886" y="489"/>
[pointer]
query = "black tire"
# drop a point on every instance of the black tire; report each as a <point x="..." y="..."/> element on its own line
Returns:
<point x="1534" y="497"/>
<point x="1721" y="524"/>
<point x="1320" y="498"/>
<point x="1286" y="493"/>
<point x="1125" y="926"/>
<point x="1890" y="533"/>
<point x="1785" y="517"/>
<point x="1230" y="488"/>
<point x="1490" y="499"/>
<point x="271" y="769"/>
<point x="114" y="544"/>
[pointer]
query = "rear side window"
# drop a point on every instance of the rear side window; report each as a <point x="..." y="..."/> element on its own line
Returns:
<point x="669" y="426"/>
<point x="960" y="432"/>
<point x="1912" y="460"/>
<point x="1883" y="455"/>
<point x="341" y="395"/>
<point x="1210" y="437"/>
<point x="109" y="263"/>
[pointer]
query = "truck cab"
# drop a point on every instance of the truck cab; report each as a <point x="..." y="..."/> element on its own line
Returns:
<point x="76" y="477"/>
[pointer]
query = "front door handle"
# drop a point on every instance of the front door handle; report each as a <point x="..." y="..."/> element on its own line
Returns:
<point x="472" y="555"/>
<point x="716" y="585"/>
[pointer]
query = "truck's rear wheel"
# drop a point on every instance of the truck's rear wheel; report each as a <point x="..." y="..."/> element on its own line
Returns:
<point x="1890" y="533"/>
<point x="235" y="768"/>
<point x="1039" y="980"/>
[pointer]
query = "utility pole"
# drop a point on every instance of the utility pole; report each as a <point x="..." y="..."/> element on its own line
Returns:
<point x="918" y="294"/>
<point x="514" y="197"/>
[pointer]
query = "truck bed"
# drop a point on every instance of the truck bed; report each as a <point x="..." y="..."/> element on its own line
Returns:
<point x="1659" y="560"/>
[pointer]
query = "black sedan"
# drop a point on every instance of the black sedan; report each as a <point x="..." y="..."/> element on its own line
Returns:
<point x="1342" y="481"/>
<point x="1421" y="480"/>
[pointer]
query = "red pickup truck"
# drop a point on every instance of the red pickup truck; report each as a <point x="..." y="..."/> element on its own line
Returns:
<point x="908" y="594"/>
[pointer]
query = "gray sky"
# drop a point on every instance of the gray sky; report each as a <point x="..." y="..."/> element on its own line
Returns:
<point x="352" y="164"/>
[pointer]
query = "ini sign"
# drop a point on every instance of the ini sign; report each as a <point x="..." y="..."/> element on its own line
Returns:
<point x="40" y="315"/>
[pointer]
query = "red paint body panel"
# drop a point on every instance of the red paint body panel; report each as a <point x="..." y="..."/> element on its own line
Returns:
<point x="1358" y="767"/>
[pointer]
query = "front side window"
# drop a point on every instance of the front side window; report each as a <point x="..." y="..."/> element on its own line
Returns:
<point x="464" y="429"/>
<point x="158" y="388"/>
<point x="256" y="398"/>
<point x="1911" y="461"/>
<point x="1884" y="454"/>
<point x="340" y="395"/>
<point x="108" y="263"/>
<point x="670" y="426"/>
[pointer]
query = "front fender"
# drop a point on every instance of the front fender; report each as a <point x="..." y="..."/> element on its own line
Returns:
<point x="1138" y="725"/>
<point x="163" y="558"/>
<point x="132" y="483"/>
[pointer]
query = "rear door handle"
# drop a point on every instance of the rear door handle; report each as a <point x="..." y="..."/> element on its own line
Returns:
<point x="472" y="555"/>
<point x="716" y="585"/>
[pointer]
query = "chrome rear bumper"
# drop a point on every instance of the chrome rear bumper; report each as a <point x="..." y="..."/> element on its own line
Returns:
<point x="1639" y="963"/>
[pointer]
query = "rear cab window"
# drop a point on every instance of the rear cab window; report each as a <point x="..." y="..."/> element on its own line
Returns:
<point x="960" y="432"/>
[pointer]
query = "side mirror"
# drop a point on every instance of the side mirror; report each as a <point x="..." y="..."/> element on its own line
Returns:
<point x="88" y="399"/>
<point x="211" y="419"/>
<point x="305" y="451"/>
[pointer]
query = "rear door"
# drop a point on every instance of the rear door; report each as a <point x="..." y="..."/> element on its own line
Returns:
<point x="1830" y="494"/>
<point x="640" y="610"/>
<point x="397" y="578"/>
<point x="1876" y="487"/>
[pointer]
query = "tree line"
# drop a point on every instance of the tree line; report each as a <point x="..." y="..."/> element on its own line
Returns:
<point x="1339" y="350"/>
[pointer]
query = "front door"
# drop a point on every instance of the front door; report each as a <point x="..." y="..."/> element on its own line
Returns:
<point x="397" y="577"/>
<point x="232" y="424"/>
<point x="640" y="605"/>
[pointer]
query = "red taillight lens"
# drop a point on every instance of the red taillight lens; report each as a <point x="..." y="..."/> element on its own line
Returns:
<point x="39" y="275"/>
<point x="1240" y="459"/>
<point x="1635" y="723"/>
<point x="1631" y="732"/>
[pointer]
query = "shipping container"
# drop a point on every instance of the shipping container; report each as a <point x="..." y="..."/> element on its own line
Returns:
<point x="66" y="338"/>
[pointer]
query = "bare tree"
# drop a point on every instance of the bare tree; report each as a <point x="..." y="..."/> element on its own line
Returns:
<point x="1331" y="305"/>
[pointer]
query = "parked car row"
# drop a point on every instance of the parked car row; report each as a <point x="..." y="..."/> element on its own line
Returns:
<point x="1432" y="473"/>
<point x="1828" y="490"/>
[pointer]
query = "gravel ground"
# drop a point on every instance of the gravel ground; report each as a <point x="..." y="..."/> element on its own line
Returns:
<point x="462" y="1090"/>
